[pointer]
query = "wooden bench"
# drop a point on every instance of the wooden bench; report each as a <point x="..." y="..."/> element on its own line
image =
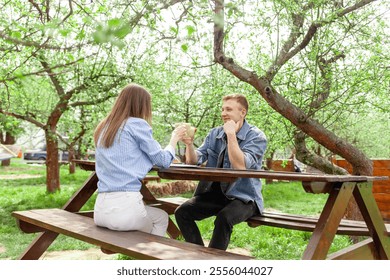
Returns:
<point x="283" y="220"/>
<point x="324" y="228"/>
<point x="151" y="178"/>
<point x="135" y="244"/>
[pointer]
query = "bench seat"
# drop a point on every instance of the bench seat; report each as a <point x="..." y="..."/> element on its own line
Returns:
<point x="149" y="178"/>
<point x="283" y="220"/>
<point x="135" y="244"/>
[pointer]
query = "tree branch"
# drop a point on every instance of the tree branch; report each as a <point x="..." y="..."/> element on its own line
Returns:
<point x="36" y="45"/>
<point x="45" y="70"/>
<point x="304" y="155"/>
<point x="27" y="118"/>
<point x="36" y="6"/>
<point x="106" y="88"/>
<point x="287" y="52"/>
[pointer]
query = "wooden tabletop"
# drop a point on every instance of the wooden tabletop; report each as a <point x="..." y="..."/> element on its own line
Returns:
<point x="224" y="174"/>
<point x="229" y="175"/>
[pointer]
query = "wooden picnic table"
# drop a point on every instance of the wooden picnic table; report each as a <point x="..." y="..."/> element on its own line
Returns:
<point x="339" y="187"/>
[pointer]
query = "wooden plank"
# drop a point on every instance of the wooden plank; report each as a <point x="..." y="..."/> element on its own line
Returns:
<point x="39" y="245"/>
<point x="282" y="165"/>
<point x="74" y="204"/>
<point x="372" y="216"/>
<point x="382" y="163"/>
<point x="137" y="244"/>
<point x="304" y="226"/>
<point x="87" y="165"/>
<point x="227" y="175"/>
<point x="317" y="187"/>
<point x="382" y="197"/>
<point x="377" y="164"/>
<point x="381" y="187"/>
<point x="364" y="250"/>
<point x="328" y="222"/>
<point x="29" y="228"/>
<point x="286" y="220"/>
<point x="382" y="171"/>
<point x="151" y="178"/>
<point x="79" y="198"/>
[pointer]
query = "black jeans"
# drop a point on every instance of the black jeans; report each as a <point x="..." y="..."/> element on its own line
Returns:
<point x="228" y="213"/>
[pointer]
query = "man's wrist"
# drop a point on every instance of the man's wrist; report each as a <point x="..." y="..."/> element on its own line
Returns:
<point x="190" y="146"/>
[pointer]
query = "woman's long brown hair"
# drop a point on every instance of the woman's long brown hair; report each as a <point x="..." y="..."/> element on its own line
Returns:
<point x="133" y="101"/>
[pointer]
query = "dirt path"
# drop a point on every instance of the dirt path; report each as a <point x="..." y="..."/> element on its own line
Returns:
<point x="96" y="254"/>
<point x="90" y="254"/>
<point x="18" y="176"/>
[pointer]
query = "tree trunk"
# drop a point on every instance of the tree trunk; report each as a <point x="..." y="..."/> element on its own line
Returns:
<point x="303" y="154"/>
<point x="72" y="168"/>
<point x="52" y="165"/>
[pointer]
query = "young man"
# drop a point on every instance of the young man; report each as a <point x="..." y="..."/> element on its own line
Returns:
<point x="236" y="145"/>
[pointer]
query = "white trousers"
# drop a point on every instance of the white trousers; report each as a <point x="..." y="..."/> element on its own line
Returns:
<point x="124" y="211"/>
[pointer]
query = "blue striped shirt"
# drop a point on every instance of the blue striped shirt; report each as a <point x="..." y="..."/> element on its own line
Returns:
<point x="122" y="166"/>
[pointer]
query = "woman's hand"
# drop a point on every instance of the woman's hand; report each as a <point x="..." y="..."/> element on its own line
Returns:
<point x="187" y="139"/>
<point x="178" y="134"/>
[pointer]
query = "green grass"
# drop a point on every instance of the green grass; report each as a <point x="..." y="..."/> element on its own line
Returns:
<point x="263" y="242"/>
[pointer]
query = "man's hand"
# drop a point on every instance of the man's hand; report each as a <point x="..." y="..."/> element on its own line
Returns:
<point x="236" y="156"/>
<point x="189" y="140"/>
<point x="231" y="127"/>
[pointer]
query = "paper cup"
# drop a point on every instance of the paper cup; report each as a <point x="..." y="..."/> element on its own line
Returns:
<point x="190" y="130"/>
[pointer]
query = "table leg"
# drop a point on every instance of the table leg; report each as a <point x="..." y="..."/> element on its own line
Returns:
<point x="39" y="245"/>
<point x="371" y="214"/>
<point x="329" y="221"/>
<point x="74" y="204"/>
<point x="149" y="198"/>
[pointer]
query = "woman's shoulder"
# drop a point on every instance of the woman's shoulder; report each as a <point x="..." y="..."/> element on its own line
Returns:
<point x="136" y="125"/>
<point x="136" y="121"/>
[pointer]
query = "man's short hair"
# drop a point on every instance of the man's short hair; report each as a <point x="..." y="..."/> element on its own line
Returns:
<point x="240" y="98"/>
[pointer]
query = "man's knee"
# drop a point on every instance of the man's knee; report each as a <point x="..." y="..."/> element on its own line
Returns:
<point x="181" y="211"/>
<point x="223" y="219"/>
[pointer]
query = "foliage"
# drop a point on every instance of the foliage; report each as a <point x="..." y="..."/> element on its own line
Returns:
<point x="168" y="48"/>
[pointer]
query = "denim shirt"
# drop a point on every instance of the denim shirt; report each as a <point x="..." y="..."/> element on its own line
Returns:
<point x="253" y="143"/>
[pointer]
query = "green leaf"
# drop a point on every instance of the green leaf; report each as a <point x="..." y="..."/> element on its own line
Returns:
<point x="99" y="36"/>
<point x="174" y="30"/>
<point x="64" y="32"/>
<point x="190" y="30"/>
<point x="122" y="31"/>
<point x="16" y="35"/>
<point x="184" y="47"/>
<point x="116" y="22"/>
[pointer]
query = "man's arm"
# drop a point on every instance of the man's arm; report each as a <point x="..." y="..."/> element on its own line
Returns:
<point x="191" y="156"/>
<point x="236" y="156"/>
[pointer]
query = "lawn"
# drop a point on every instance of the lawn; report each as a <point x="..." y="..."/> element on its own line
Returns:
<point x="22" y="186"/>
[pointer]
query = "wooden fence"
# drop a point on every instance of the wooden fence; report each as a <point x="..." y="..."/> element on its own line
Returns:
<point x="381" y="189"/>
<point x="279" y="165"/>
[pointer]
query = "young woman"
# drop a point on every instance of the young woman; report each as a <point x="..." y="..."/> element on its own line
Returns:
<point x="125" y="153"/>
